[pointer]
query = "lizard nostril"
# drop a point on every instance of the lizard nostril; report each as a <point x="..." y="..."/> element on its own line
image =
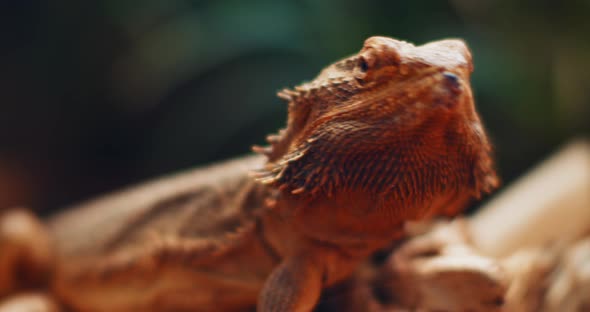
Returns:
<point x="452" y="79"/>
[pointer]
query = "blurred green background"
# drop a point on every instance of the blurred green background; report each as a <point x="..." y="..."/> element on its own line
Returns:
<point x="95" y="95"/>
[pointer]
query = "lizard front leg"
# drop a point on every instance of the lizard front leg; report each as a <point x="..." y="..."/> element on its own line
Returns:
<point x="26" y="256"/>
<point x="295" y="285"/>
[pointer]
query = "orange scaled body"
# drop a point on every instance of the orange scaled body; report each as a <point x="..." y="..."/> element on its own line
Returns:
<point x="387" y="135"/>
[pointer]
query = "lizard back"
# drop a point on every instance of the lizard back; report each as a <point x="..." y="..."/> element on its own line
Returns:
<point x="172" y="244"/>
<point x="205" y="203"/>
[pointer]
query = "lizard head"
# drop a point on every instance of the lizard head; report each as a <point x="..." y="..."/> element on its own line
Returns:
<point x="394" y="119"/>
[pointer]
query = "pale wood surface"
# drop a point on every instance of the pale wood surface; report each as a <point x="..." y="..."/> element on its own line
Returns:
<point x="549" y="204"/>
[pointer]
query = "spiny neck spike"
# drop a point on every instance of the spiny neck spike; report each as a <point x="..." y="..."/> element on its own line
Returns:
<point x="264" y="150"/>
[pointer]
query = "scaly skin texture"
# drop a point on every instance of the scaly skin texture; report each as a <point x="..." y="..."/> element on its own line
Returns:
<point x="385" y="136"/>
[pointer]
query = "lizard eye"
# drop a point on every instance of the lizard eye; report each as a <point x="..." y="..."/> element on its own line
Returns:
<point x="363" y="65"/>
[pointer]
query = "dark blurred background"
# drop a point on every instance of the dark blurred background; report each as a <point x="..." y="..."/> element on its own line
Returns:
<point x="95" y="95"/>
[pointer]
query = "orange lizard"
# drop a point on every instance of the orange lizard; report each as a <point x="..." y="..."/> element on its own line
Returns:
<point x="387" y="135"/>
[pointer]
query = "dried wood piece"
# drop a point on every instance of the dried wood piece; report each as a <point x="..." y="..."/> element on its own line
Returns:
<point x="25" y="252"/>
<point x="438" y="271"/>
<point x="550" y="203"/>
<point x="29" y="302"/>
<point x="549" y="279"/>
<point x="570" y="283"/>
<point x="528" y="270"/>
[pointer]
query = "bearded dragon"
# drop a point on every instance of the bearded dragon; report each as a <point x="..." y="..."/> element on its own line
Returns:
<point x="387" y="135"/>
